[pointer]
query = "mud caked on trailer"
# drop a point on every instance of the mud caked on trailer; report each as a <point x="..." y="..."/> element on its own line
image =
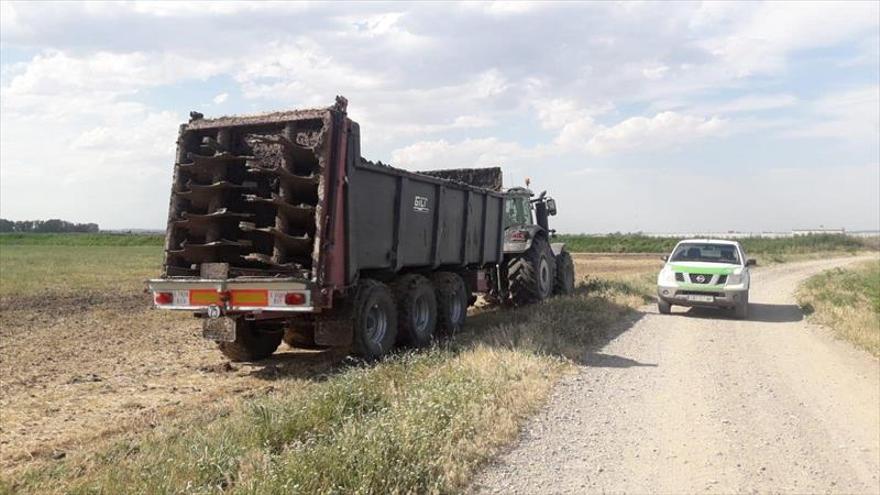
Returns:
<point x="279" y="231"/>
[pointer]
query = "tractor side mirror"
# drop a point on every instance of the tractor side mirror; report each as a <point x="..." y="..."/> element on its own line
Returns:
<point x="551" y="206"/>
<point x="752" y="262"/>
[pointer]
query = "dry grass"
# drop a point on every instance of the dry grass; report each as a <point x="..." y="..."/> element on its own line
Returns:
<point x="848" y="301"/>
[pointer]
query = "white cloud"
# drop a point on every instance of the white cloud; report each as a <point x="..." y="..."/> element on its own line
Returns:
<point x="666" y="129"/>
<point x="220" y="98"/>
<point x="428" y="155"/>
<point x="850" y="115"/>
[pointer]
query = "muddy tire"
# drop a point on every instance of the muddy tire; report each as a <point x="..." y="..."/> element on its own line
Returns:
<point x="452" y="302"/>
<point x="741" y="311"/>
<point x="663" y="307"/>
<point x="252" y="341"/>
<point x="375" y="320"/>
<point x="532" y="274"/>
<point x="416" y="310"/>
<point x="564" y="274"/>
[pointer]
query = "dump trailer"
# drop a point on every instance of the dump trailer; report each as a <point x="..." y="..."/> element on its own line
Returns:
<point x="279" y="231"/>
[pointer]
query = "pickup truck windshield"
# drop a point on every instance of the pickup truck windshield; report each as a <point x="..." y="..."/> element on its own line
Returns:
<point x="712" y="253"/>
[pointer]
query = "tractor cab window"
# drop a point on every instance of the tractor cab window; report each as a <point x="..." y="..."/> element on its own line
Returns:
<point x="518" y="211"/>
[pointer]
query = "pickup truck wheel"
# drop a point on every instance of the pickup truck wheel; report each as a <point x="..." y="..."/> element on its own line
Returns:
<point x="663" y="307"/>
<point x="564" y="274"/>
<point x="452" y="302"/>
<point x="416" y="310"/>
<point x="252" y="341"/>
<point x="375" y="320"/>
<point x="532" y="274"/>
<point x="741" y="310"/>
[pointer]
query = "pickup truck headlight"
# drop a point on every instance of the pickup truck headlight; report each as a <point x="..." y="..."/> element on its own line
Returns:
<point x="666" y="277"/>
<point x="734" y="279"/>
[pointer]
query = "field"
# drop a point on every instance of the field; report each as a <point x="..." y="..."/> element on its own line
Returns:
<point x="848" y="301"/>
<point x="98" y="390"/>
<point x="766" y="249"/>
<point x="101" y="394"/>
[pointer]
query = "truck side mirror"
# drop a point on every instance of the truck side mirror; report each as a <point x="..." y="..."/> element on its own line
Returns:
<point x="752" y="262"/>
<point x="665" y="257"/>
<point x="551" y="206"/>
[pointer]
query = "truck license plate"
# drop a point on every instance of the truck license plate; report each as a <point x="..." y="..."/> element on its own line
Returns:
<point x="700" y="298"/>
<point x="219" y="329"/>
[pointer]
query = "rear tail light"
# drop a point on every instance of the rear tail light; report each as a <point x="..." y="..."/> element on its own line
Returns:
<point x="164" y="298"/>
<point x="294" y="298"/>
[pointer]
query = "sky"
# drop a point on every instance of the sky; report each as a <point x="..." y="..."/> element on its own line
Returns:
<point x="647" y="116"/>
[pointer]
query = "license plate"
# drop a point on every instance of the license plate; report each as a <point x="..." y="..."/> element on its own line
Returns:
<point x="219" y="329"/>
<point x="700" y="298"/>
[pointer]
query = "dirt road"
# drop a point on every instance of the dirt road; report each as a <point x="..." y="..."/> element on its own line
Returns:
<point x="696" y="402"/>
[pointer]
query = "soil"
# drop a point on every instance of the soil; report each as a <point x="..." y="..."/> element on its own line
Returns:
<point x="85" y="368"/>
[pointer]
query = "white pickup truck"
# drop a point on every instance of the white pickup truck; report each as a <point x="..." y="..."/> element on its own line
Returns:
<point x="705" y="272"/>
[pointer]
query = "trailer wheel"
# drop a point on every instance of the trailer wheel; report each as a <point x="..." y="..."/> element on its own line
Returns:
<point x="252" y="341"/>
<point x="532" y="274"/>
<point x="416" y="310"/>
<point x="452" y="302"/>
<point x="375" y="320"/>
<point x="564" y="274"/>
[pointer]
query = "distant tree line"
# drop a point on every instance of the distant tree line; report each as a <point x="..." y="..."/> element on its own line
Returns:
<point x="46" y="226"/>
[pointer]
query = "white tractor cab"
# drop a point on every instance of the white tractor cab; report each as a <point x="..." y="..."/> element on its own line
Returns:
<point x="708" y="273"/>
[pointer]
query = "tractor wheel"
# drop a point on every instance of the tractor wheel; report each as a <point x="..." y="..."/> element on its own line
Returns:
<point x="452" y="302"/>
<point x="416" y="310"/>
<point x="532" y="274"/>
<point x="564" y="274"/>
<point x="252" y="341"/>
<point x="375" y="320"/>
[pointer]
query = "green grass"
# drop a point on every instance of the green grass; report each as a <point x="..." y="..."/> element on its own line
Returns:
<point x="29" y="270"/>
<point x="635" y="243"/>
<point x="848" y="301"/>
<point x="105" y="239"/>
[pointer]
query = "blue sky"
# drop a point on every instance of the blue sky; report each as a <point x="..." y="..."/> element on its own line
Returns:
<point x="635" y="116"/>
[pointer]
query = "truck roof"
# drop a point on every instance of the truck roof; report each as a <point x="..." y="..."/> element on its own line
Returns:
<point x="712" y="241"/>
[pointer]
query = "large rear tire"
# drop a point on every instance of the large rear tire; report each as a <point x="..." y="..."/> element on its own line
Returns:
<point x="532" y="274"/>
<point x="375" y="320"/>
<point x="452" y="302"/>
<point x="564" y="274"/>
<point x="252" y="341"/>
<point x="416" y="310"/>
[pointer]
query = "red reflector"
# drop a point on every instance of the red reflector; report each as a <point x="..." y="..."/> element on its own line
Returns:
<point x="164" y="298"/>
<point x="294" y="298"/>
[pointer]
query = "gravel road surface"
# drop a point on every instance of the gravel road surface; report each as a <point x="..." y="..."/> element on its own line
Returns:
<point x="698" y="402"/>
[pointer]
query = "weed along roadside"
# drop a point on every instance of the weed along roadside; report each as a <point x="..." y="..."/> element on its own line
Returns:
<point x="848" y="301"/>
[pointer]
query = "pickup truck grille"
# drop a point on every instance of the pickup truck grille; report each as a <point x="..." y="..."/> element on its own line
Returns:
<point x="700" y="278"/>
<point x="247" y="196"/>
